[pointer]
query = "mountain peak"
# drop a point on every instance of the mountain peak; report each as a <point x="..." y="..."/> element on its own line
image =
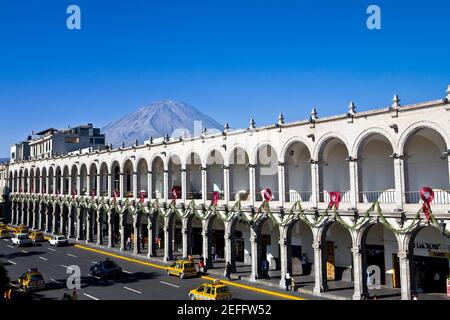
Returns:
<point x="157" y="120"/>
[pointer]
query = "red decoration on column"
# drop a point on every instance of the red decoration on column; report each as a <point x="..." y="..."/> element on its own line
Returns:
<point x="427" y="196"/>
<point x="74" y="193"/>
<point x="215" y="199"/>
<point x="142" y="197"/>
<point x="268" y="196"/>
<point x="335" y="199"/>
<point x="116" y="194"/>
<point x="93" y="193"/>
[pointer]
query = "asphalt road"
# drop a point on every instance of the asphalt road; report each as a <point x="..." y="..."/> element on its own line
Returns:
<point x="139" y="282"/>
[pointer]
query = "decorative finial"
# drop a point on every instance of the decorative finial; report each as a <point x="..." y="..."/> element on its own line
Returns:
<point x="123" y="144"/>
<point x="136" y="142"/>
<point x="314" y="114"/>
<point x="110" y="146"/>
<point x="151" y="140"/>
<point x="204" y="131"/>
<point x="167" y="137"/>
<point x="226" y="127"/>
<point x="448" y="93"/>
<point x="280" y="119"/>
<point x="252" y="124"/>
<point x="351" y="109"/>
<point x="396" y="101"/>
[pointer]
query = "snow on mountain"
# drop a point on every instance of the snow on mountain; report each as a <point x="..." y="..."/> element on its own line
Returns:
<point x="157" y="120"/>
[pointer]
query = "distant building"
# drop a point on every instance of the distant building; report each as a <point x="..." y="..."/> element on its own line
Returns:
<point x="20" y="151"/>
<point x="52" y="142"/>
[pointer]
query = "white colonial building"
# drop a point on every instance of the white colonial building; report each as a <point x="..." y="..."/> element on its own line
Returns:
<point x="377" y="160"/>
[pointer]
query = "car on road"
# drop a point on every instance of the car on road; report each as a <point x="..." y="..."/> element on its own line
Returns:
<point x="182" y="269"/>
<point x="15" y="293"/>
<point x="32" y="280"/>
<point x="37" y="236"/>
<point x="59" y="240"/>
<point x="106" y="269"/>
<point x="211" y="291"/>
<point x="21" y="239"/>
<point x="5" y="234"/>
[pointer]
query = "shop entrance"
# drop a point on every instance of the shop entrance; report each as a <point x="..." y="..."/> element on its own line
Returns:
<point x="431" y="274"/>
<point x="375" y="256"/>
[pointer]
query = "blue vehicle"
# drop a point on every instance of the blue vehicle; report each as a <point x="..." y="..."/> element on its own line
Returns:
<point x="106" y="269"/>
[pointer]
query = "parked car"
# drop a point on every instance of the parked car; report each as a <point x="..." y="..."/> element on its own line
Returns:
<point x="182" y="269"/>
<point x="59" y="240"/>
<point x="106" y="269"/>
<point x="21" y="239"/>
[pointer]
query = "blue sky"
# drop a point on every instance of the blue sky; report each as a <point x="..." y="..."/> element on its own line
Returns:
<point x="233" y="60"/>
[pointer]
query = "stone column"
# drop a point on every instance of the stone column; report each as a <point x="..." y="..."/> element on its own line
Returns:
<point x="204" y="185"/>
<point x="207" y="250"/>
<point x="41" y="220"/>
<point x="70" y="220"/>
<point x="255" y="253"/>
<point x="122" y="232"/>
<point x="88" y="225"/>
<point x="168" y="248"/>
<point x="281" y="184"/>
<point x="252" y="177"/>
<point x="152" y="232"/>
<point x="61" y="220"/>
<point x="61" y="185"/>
<point x="99" y="184"/>
<point x="22" y="213"/>
<point x="29" y="214"/>
<point x="226" y="184"/>
<point x="187" y="236"/>
<point x="136" y="242"/>
<point x="109" y="185"/>
<point x="135" y="185"/>
<point x="54" y="184"/>
<point x="166" y="185"/>
<point x="110" y="231"/>
<point x="320" y="268"/>
<point x="79" y="185"/>
<point x="122" y="189"/>
<point x="35" y="215"/>
<point x="99" y="227"/>
<point x="54" y="231"/>
<point x="13" y="213"/>
<point x="285" y="255"/>
<point x="359" y="272"/>
<point x="230" y="245"/>
<point x="183" y="185"/>
<point x="315" y="184"/>
<point x="149" y="185"/>
<point x="399" y="176"/>
<point x="353" y="171"/>
<point x="78" y="219"/>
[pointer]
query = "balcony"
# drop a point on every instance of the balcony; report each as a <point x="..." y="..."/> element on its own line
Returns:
<point x="386" y="196"/>
<point x="440" y="196"/>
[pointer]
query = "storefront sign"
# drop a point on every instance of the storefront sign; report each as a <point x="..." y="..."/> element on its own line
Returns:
<point x="438" y="254"/>
<point x="426" y="245"/>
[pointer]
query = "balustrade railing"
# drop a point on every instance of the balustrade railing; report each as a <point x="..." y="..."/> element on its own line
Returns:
<point x="440" y="196"/>
<point x="386" y="196"/>
<point x="295" y="196"/>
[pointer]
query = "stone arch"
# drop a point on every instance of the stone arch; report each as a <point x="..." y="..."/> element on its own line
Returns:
<point x="174" y="165"/>
<point x="297" y="171"/>
<point x="266" y="163"/>
<point x="158" y="183"/>
<point x="238" y="162"/>
<point x="413" y="128"/>
<point x="194" y="167"/>
<point x="214" y="163"/>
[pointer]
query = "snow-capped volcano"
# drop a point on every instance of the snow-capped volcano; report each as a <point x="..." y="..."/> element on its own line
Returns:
<point x="157" y="120"/>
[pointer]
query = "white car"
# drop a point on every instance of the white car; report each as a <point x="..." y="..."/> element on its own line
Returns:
<point x="58" y="240"/>
<point x="21" y="239"/>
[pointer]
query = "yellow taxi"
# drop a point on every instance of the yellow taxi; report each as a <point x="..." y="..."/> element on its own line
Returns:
<point x="211" y="291"/>
<point x="5" y="234"/>
<point x="32" y="280"/>
<point x="3" y="226"/>
<point x="182" y="269"/>
<point x="37" y="236"/>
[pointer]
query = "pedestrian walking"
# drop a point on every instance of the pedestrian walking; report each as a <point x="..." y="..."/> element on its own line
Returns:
<point x="201" y="265"/>
<point x="129" y="243"/>
<point x="228" y="271"/>
<point x="288" y="281"/>
<point x="74" y="295"/>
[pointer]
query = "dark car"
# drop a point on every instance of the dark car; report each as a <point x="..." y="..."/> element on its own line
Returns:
<point x="106" y="269"/>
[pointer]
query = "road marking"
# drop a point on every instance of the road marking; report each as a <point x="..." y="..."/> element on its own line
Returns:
<point x="132" y="290"/>
<point x="98" y="278"/>
<point x="89" y="296"/>
<point x="53" y="280"/>
<point x="10" y="246"/>
<point x="45" y="259"/>
<point x="169" y="284"/>
<point x="66" y="267"/>
<point x="127" y="272"/>
<point x="94" y="262"/>
<point x="25" y="251"/>
<point x="5" y="240"/>
<point x="246" y="287"/>
<point x="51" y="249"/>
<point x="12" y="262"/>
<point x="71" y="255"/>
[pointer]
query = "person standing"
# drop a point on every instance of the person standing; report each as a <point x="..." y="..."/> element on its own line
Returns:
<point x="74" y="295"/>
<point x="228" y="271"/>
<point x="288" y="281"/>
<point x="129" y="243"/>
